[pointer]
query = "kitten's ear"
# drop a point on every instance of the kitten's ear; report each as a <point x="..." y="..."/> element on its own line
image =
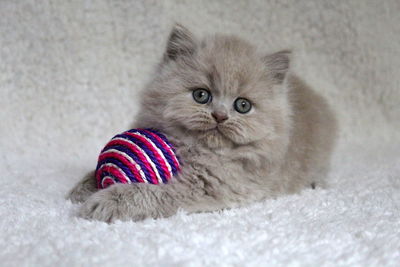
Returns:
<point x="180" y="42"/>
<point x="278" y="64"/>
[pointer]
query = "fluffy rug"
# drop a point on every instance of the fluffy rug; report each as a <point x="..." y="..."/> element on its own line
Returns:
<point x="69" y="75"/>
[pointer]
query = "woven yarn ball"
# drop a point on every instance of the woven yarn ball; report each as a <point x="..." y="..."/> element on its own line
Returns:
<point x="137" y="156"/>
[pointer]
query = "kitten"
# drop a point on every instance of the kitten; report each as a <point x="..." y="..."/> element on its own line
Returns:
<point x="244" y="127"/>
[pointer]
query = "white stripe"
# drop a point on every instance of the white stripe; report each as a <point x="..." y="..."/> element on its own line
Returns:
<point x="145" y="155"/>
<point x="159" y="152"/>
<point x="105" y="177"/>
<point x="129" y="159"/>
<point x="115" y="166"/>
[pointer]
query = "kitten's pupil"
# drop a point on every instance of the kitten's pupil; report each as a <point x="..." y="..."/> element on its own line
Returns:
<point x="201" y="96"/>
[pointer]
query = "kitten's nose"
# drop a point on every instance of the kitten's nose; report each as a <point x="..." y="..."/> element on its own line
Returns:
<point x="219" y="116"/>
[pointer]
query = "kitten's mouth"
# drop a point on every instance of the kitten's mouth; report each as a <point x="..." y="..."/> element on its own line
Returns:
<point x="214" y="128"/>
<point x="217" y="129"/>
<point x="215" y="136"/>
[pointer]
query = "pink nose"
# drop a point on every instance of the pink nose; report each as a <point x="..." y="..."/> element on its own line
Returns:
<point x="219" y="116"/>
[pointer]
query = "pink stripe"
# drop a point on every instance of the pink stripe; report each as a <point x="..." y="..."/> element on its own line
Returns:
<point x="155" y="152"/>
<point x="138" y="153"/>
<point x="166" y="147"/>
<point x="126" y="162"/>
<point x="114" y="171"/>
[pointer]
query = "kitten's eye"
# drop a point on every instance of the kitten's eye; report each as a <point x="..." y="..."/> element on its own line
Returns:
<point x="242" y="105"/>
<point x="201" y="96"/>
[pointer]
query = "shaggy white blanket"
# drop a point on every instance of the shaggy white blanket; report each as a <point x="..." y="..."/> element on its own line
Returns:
<point x="69" y="74"/>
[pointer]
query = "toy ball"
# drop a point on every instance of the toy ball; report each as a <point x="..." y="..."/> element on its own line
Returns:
<point x="137" y="156"/>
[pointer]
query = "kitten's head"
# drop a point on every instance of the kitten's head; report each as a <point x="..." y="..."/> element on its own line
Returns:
<point x="218" y="91"/>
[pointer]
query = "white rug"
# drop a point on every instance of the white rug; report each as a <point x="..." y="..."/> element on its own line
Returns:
<point x="69" y="74"/>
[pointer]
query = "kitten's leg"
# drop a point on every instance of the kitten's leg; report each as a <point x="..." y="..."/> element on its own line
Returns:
<point x="139" y="201"/>
<point x="83" y="189"/>
<point x="130" y="202"/>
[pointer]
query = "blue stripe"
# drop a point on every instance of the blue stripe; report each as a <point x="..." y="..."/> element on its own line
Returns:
<point x="150" y="153"/>
<point x="157" y="143"/>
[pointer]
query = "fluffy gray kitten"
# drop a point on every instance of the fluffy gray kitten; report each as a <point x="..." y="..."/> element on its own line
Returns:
<point x="245" y="128"/>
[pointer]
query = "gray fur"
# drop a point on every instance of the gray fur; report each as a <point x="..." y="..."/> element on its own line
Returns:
<point x="281" y="146"/>
<point x="82" y="190"/>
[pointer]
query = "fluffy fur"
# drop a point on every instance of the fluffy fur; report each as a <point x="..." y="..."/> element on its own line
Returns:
<point x="281" y="146"/>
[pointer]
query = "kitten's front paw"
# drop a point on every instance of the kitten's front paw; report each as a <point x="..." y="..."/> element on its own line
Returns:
<point x="118" y="202"/>
<point x="83" y="189"/>
<point x="79" y="193"/>
<point x="77" y="196"/>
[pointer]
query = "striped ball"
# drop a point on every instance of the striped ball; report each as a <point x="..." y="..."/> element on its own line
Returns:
<point x="137" y="156"/>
